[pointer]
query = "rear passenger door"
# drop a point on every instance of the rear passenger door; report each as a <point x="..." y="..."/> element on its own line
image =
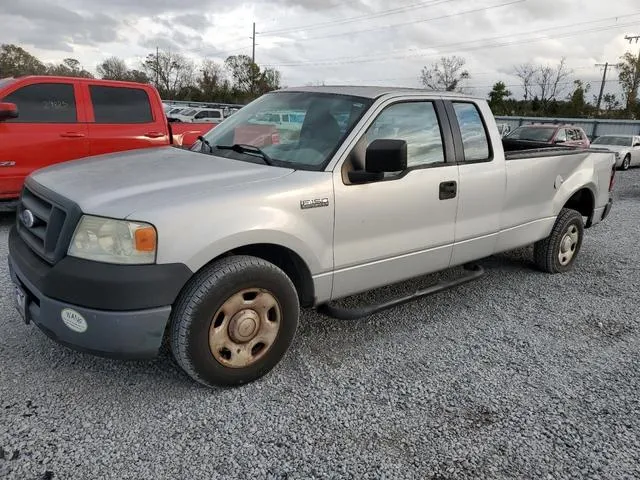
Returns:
<point x="48" y="130"/>
<point x="482" y="174"/>
<point x="121" y="118"/>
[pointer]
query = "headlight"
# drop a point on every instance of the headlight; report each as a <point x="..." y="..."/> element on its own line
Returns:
<point x="114" y="241"/>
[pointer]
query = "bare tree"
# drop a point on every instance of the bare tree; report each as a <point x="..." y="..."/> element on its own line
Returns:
<point x="113" y="68"/>
<point x="526" y="72"/>
<point x="445" y="74"/>
<point x="552" y="81"/>
<point x="170" y="72"/>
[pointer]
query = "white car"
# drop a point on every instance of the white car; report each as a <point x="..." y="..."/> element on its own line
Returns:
<point x="206" y="115"/>
<point x="626" y="147"/>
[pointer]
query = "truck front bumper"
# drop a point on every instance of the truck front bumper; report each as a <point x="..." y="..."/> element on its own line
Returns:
<point x="92" y="307"/>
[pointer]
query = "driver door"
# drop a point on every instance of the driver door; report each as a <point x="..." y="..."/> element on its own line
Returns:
<point x="402" y="226"/>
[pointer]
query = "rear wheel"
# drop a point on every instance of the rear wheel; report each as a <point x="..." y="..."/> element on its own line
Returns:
<point x="626" y="163"/>
<point x="557" y="253"/>
<point x="234" y="322"/>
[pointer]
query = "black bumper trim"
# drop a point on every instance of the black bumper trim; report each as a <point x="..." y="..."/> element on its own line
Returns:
<point x="100" y="285"/>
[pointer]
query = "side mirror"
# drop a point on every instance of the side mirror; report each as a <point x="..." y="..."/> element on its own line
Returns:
<point x="8" y="110"/>
<point x="637" y="144"/>
<point x="383" y="155"/>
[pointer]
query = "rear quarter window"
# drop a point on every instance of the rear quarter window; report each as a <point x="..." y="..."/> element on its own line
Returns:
<point x="120" y="105"/>
<point x="475" y="141"/>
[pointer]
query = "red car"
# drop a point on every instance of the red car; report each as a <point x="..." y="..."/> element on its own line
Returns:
<point x="568" y="135"/>
<point x="46" y="120"/>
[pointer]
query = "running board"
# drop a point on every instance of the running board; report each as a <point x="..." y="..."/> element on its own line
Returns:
<point x="341" y="313"/>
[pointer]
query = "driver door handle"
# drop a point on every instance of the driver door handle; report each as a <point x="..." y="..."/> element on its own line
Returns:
<point x="72" y="135"/>
<point x="448" y="190"/>
<point x="154" y="134"/>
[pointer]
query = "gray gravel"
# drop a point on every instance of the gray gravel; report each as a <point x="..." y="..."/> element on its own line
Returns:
<point x="519" y="375"/>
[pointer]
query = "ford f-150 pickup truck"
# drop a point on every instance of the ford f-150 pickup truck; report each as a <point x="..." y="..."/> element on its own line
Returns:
<point x="46" y="120"/>
<point x="216" y="248"/>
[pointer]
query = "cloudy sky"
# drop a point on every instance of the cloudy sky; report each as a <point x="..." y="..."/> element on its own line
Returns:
<point x="336" y="41"/>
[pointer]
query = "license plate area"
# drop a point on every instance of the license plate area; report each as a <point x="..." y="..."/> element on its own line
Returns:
<point x="21" y="301"/>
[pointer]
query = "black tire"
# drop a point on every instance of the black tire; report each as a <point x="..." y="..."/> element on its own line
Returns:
<point x="205" y="294"/>
<point x="626" y="163"/>
<point x="546" y="252"/>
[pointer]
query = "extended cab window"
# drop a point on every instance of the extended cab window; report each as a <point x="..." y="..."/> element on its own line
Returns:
<point x="120" y="105"/>
<point x="417" y="124"/>
<point x="474" y="136"/>
<point x="44" y="103"/>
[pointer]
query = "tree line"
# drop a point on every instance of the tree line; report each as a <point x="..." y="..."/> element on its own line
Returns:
<point x="548" y="90"/>
<point x="237" y="80"/>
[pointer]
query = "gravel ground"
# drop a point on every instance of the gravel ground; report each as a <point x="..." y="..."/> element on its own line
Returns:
<point x="518" y="375"/>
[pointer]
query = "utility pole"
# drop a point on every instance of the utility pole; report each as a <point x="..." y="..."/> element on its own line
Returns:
<point x="253" y="50"/>
<point x="604" y="79"/>
<point x="157" y="65"/>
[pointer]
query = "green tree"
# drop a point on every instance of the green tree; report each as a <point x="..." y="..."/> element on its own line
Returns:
<point x="629" y="78"/>
<point x="16" y="61"/>
<point x="497" y="97"/>
<point x="578" y="104"/>
<point x="70" y="67"/>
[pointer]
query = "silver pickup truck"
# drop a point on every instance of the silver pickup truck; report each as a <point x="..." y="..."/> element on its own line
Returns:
<point x="215" y="249"/>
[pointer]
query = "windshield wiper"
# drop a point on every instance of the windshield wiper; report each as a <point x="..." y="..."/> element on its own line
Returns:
<point x="249" y="149"/>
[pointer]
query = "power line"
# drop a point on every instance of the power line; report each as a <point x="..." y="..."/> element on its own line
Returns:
<point x="450" y="46"/>
<point x="358" y="18"/>
<point x="411" y="22"/>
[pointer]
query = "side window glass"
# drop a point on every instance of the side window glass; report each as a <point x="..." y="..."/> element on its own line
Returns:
<point x="474" y="136"/>
<point x="562" y="135"/>
<point x="120" y="105"/>
<point x="44" y="103"/>
<point x="417" y="124"/>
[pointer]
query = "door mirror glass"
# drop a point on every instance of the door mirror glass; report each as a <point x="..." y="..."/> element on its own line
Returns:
<point x="8" y="110"/>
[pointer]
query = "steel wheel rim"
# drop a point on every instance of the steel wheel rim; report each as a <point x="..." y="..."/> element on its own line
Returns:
<point x="245" y="327"/>
<point x="625" y="163"/>
<point x="568" y="245"/>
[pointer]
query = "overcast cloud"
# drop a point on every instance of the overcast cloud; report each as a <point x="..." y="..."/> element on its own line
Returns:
<point x="336" y="41"/>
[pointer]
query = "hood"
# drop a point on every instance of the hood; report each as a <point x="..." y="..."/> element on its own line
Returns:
<point x="118" y="184"/>
<point x="613" y="148"/>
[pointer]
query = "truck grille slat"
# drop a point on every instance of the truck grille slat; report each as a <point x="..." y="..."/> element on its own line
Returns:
<point x="43" y="228"/>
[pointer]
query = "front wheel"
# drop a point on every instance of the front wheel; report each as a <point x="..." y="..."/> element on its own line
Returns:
<point x="626" y="163"/>
<point x="234" y="321"/>
<point x="557" y="253"/>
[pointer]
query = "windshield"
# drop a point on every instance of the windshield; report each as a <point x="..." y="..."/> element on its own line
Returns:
<point x="300" y="130"/>
<point x="612" y="140"/>
<point x="189" y="113"/>
<point x="534" y="134"/>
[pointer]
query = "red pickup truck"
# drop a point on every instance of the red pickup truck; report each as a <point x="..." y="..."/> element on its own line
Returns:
<point x="46" y="120"/>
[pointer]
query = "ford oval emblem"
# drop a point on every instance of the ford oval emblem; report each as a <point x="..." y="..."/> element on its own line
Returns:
<point x="27" y="218"/>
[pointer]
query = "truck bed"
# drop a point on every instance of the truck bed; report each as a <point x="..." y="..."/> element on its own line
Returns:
<point x="521" y="149"/>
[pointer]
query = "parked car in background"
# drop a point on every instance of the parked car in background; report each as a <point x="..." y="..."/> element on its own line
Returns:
<point x="218" y="247"/>
<point x="626" y="147"/>
<point x="46" y="120"/>
<point x="207" y="115"/>
<point x="543" y="133"/>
